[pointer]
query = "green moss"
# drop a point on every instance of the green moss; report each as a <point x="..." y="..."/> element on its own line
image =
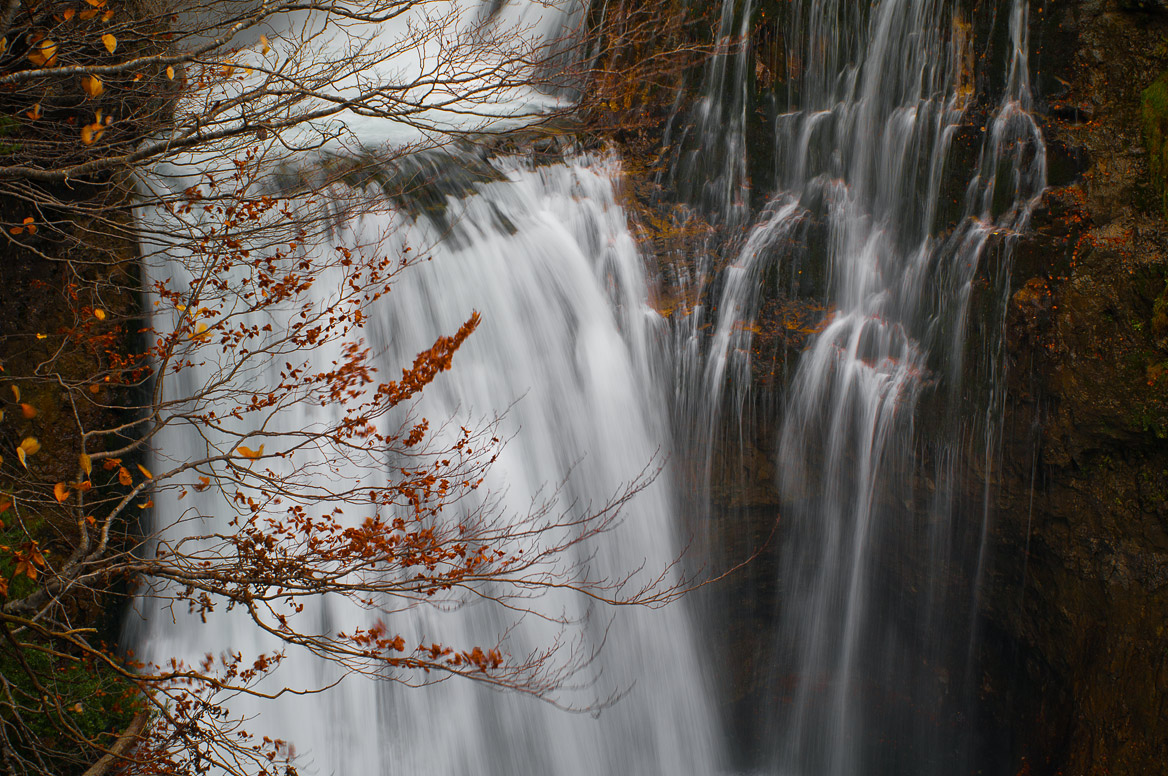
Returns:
<point x="1155" y="123"/>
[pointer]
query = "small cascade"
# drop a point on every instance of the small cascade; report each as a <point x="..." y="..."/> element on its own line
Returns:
<point x="881" y="547"/>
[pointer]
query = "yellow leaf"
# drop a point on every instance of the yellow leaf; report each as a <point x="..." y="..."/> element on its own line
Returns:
<point x="61" y="491"/>
<point x="110" y="42"/>
<point x="170" y="72"/>
<point x="92" y="85"/>
<point x="265" y="47"/>
<point x="29" y="445"/>
<point x="99" y="314"/>
<point x="20" y="456"/>
<point x="3" y="45"/>
<point x="27" y="410"/>
<point x="16" y="392"/>
<point x="86" y="464"/>
<point x="44" y="54"/>
<point x="91" y="133"/>
<point x="149" y="503"/>
<point x="145" y="472"/>
<point x="42" y="336"/>
<point x="248" y="453"/>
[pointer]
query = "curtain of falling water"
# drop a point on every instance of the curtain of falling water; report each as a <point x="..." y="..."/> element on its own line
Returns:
<point x="870" y="667"/>
<point x="566" y="350"/>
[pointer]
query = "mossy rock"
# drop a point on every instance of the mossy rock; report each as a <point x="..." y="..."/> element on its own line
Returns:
<point x="1155" y="123"/>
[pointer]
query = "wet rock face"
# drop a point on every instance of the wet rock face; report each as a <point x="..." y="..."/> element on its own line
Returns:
<point x="1078" y="597"/>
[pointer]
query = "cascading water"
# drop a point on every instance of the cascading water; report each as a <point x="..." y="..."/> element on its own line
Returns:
<point x="579" y="365"/>
<point x="870" y="654"/>
<point x="568" y="355"/>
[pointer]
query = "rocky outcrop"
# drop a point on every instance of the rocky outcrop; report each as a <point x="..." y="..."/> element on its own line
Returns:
<point x="1079" y="587"/>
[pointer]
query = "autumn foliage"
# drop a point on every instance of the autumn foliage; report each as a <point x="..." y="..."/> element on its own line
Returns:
<point x="93" y="93"/>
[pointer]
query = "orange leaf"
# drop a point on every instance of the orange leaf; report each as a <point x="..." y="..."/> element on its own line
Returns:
<point x="110" y="42"/>
<point x="27" y="410"/>
<point x="96" y="3"/>
<point x="145" y="472"/>
<point x="61" y="491"/>
<point x="35" y="112"/>
<point x="248" y="453"/>
<point x="170" y="72"/>
<point x="124" y="476"/>
<point x="88" y="13"/>
<point x="5" y="505"/>
<point x="99" y="314"/>
<point x="149" y="503"/>
<point x="204" y="483"/>
<point x="68" y="14"/>
<point x="105" y="17"/>
<point x="16" y="392"/>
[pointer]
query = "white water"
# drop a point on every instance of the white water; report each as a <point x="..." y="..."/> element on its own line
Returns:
<point x="567" y="351"/>
<point x="573" y="355"/>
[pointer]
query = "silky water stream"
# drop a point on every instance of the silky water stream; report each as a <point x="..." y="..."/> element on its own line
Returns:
<point x="584" y="373"/>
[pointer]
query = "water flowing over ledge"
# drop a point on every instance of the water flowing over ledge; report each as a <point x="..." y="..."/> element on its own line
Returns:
<point x="582" y="373"/>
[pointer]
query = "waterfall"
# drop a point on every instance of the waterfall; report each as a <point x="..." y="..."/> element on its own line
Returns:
<point x="870" y="655"/>
<point x="567" y="357"/>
